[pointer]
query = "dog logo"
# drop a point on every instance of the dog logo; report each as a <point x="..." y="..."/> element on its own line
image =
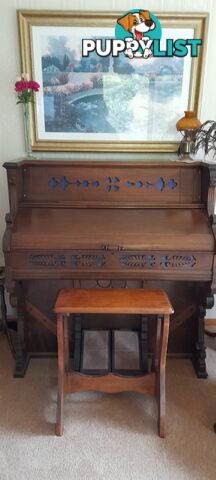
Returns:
<point x="138" y="34"/>
<point x="135" y="27"/>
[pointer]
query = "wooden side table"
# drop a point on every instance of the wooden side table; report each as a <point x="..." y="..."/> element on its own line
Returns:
<point x="121" y="301"/>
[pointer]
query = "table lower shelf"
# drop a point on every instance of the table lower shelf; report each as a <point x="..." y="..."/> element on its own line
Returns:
<point x="110" y="383"/>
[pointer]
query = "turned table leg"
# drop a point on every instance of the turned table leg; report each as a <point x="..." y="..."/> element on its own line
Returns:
<point x="161" y="394"/>
<point x="61" y="367"/>
<point x="157" y="345"/>
<point x="66" y="344"/>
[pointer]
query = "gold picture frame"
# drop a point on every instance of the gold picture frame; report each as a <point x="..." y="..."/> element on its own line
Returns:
<point x="30" y="20"/>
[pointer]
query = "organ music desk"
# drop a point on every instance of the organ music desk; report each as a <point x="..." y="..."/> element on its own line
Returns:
<point x="146" y="222"/>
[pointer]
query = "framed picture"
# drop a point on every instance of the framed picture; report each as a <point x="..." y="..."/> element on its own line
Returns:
<point x="104" y="103"/>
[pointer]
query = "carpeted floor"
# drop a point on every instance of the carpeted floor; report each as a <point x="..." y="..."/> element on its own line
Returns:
<point x="110" y="437"/>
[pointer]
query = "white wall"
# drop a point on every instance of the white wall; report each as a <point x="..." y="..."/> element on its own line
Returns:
<point x="11" y="132"/>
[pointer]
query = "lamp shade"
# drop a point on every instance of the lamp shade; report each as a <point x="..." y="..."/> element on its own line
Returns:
<point x="188" y="122"/>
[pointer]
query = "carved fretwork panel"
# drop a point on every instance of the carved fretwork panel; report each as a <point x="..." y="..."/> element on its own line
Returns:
<point x="110" y="184"/>
<point x="49" y="260"/>
<point x="177" y="261"/>
<point x="191" y="265"/>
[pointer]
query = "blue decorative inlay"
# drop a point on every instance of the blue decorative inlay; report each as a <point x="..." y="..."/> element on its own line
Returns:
<point x="163" y="261"/>
<point x="157" y="261"/>
<point x="177" y="261"/>
<point x="60" y="260"/>
<point x="112" y="184"/>
<point x="150" y="260"/>
<point x="129" y="184"/>
<point x="95" y="183"/>
<point x="100" y="261"/>
<point x="87" y="260"/>
<point x="52" y="182"/>
<point x="74" y="260"/>
<point x="171" y="184"/>
<point x="137" y="261"/>
<point x="43" y="260"/>
<point x="63" y="183"/>
<point x="160" y="184"/>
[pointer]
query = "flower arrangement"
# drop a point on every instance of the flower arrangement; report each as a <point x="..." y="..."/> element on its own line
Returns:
<point x="26" y="88"/>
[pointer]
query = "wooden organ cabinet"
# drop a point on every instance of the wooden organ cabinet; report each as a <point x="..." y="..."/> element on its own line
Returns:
<point x="146" y="223"/>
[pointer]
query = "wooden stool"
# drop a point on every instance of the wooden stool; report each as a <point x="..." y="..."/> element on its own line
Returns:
<point x="121" y="301"/>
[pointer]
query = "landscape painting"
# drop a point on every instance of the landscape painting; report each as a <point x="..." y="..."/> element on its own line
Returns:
<point x="98" y="103"/>
<point x="104" y="97"/>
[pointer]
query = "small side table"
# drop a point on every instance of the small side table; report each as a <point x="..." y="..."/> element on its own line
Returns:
<point x="112" y="301"/>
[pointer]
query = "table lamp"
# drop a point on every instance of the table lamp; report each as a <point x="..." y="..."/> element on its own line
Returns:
<point x="187" y="125"/>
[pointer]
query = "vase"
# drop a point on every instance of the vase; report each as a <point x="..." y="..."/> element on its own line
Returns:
<point x="27" y="133"/>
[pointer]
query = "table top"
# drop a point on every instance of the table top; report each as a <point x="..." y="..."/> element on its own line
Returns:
<point x="134" y="300"/>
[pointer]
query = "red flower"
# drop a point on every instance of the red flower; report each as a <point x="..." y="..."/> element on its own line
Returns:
<point x="21" y="85"/>
<point x="25" y="89"/>
<point x="24" y="85"/>
<point x="34" y="85"/>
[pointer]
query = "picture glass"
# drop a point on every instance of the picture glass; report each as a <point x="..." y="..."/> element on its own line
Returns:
<point x="104" y="98"/>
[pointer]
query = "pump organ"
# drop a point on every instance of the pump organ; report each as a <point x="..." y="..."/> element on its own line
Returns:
<point x="123" y="223"/>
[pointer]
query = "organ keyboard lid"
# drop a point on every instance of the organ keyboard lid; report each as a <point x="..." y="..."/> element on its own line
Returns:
<point x="132" y="229"/>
